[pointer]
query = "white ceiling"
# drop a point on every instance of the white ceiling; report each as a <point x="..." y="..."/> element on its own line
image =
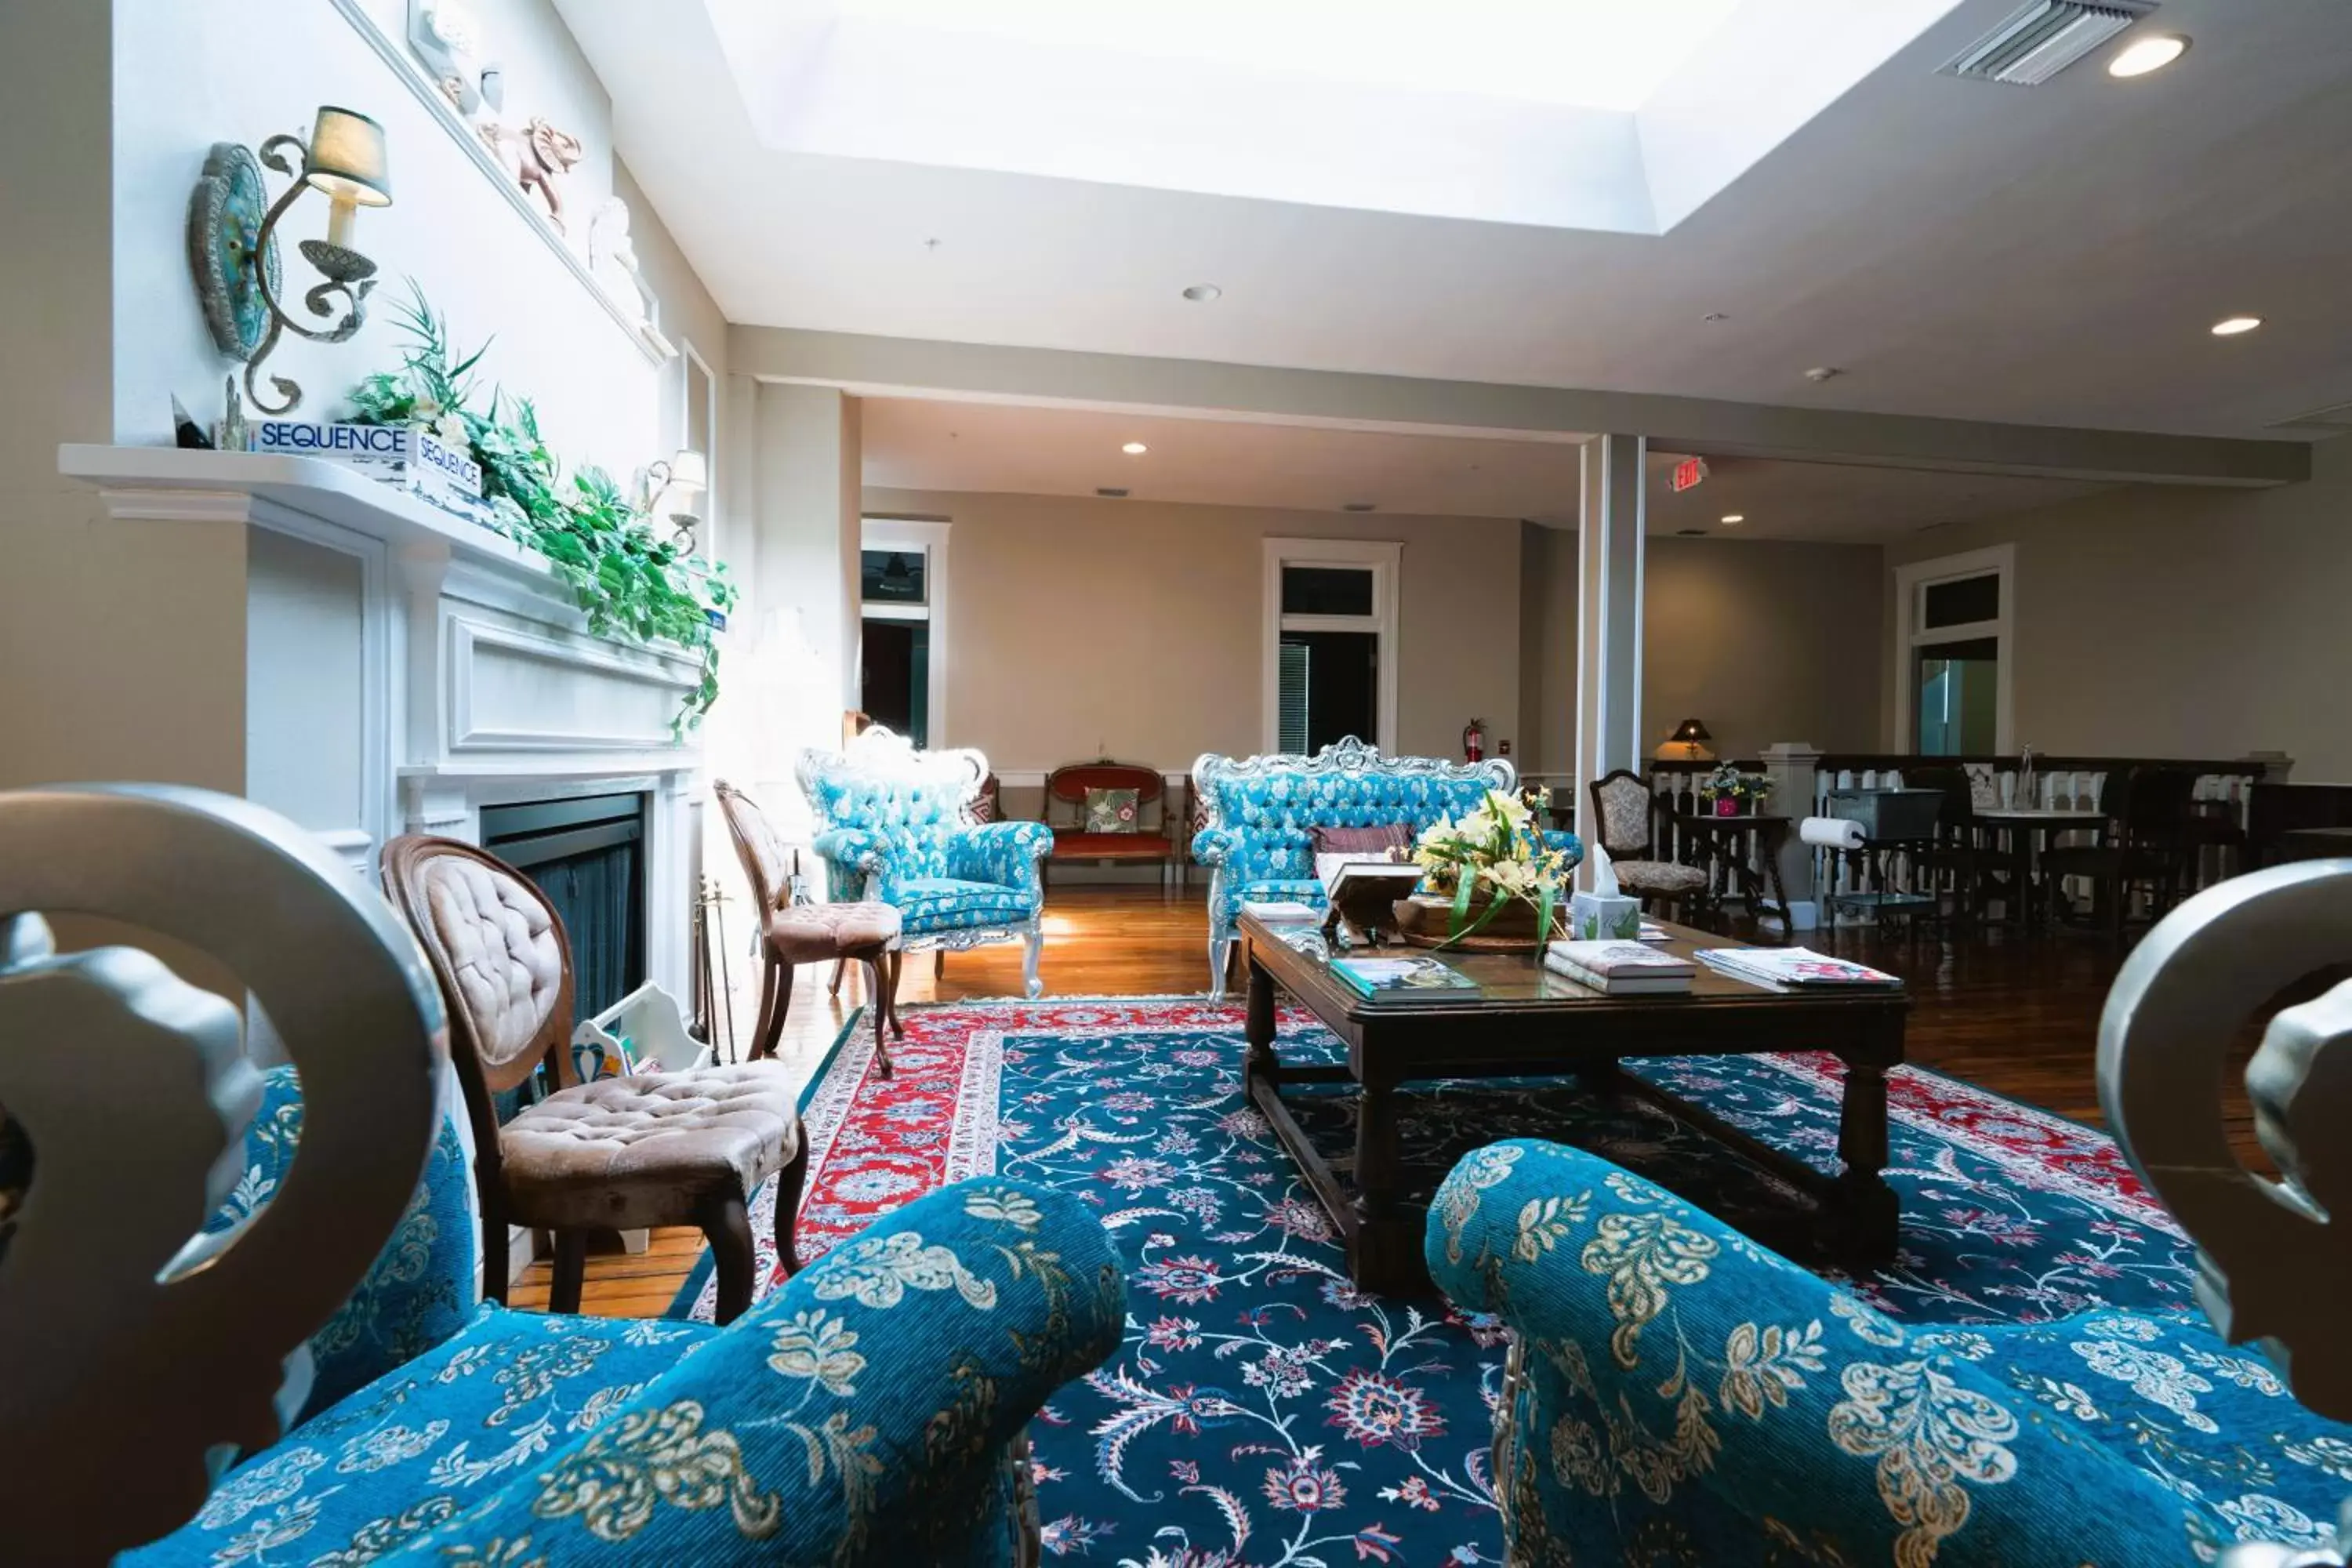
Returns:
<point x="1961" y="248"/>
<point x="1594" y="114"/>
<point x="930" y="445"/>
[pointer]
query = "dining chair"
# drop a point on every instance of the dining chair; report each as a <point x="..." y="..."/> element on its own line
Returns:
<point x="688" y="1147"/>
<point x="1625" y="820"/>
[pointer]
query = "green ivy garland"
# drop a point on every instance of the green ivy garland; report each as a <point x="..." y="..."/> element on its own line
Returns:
<point x="627" y="579"/>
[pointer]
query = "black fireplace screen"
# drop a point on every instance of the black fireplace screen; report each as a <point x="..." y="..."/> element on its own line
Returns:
<point x="588" y="857"/>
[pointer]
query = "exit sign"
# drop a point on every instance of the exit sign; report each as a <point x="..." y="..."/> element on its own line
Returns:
<point x="1688" y="473"/>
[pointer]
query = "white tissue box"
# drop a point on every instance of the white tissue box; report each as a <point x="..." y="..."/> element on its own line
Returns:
<point x="1598" y="917"/>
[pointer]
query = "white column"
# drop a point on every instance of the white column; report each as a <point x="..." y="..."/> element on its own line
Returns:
<point x="1609" y="546"/>
<point x="803" y="652"/>
<point x="1793" y="766"/>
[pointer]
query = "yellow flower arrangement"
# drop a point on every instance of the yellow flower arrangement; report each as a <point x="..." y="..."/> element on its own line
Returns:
<point x="1496" y="849"/>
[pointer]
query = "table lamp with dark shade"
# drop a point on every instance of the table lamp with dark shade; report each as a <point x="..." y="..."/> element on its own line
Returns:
<point x="1687" y="744"/>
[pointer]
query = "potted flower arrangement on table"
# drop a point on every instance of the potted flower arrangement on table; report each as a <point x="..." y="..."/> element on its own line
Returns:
<point x="1728" y="792"/>
<point x="1489" y="873"/>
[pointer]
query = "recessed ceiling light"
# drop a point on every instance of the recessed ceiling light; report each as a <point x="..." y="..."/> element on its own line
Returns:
<point x="1135" y="448"/>
<point x="1734" y="517"/>
<point x="1822" y="372"/>
<point x="1202" y="293"/>
<point x="1355" y="506"/>
<point x="1714" y="316"/>
<point x="2152" y="53"/>
<point x="2236" y="324"/>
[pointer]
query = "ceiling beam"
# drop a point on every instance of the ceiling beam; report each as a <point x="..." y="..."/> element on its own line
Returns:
<point x="915" y="367"/>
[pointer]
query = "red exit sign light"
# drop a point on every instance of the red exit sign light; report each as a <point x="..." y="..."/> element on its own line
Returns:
<point x="1688" y="473"/>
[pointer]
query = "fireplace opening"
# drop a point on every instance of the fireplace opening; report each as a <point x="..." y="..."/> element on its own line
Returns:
<point x="587" y="855"/>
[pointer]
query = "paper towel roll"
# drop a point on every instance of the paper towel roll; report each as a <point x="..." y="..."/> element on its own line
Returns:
<point x="1831" y="832"/>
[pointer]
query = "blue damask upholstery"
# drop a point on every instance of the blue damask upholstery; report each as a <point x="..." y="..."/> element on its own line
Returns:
<point x="870" y="1410"/>
<point x="421" y="1287"/>
<point x="1676" y="1393"/>
<point x="895" y="825"/>
<point x="1260" y="812"/>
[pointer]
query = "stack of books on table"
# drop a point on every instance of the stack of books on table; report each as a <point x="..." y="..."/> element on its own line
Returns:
<point x="1796" y="969"/>
<point x="1621" y="968"/>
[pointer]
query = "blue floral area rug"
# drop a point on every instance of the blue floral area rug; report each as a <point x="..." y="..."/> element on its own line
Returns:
<point x="1263" y="1411"/>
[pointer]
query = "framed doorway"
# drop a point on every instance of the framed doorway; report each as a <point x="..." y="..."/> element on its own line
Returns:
<point x="1955" y="654"/>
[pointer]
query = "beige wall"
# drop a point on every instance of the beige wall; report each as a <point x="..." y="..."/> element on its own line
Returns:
<point x="1762" y="641"/>
<point x="1134" y="627"/>
<point x="121" y="643"/>
<point x="2177" y="622"/>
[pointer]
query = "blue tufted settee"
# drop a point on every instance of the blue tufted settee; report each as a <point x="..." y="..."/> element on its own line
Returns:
<point x="1257" y="814"/>
<point x="1676" y="1394"/>
<point x="895" y="825"/>
<point x="870" y="1410"/>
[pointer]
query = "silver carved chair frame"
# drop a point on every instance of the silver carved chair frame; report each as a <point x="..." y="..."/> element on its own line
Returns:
<point x="2274" y="1257"/>
<point x="876" y="761"/>
<point x="132" y="1351"/>
<point x="1234" y="840"/>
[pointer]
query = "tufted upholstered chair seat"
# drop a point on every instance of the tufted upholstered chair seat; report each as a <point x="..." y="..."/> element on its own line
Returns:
<point x="621" y="1154"/>
<point x="862" y="930"/>
<point x="665" y="1149"/>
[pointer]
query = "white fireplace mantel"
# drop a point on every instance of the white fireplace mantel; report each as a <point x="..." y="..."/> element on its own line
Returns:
<point x="404" y="667"/>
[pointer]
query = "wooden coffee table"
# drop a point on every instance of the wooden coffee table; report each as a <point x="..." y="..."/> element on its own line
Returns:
<point x="1526" y="1021"/>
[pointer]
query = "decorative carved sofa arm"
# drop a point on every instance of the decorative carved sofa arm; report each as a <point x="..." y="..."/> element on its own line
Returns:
<point x="1668" y="1375"/>
<point x="1003" y="853"/>
<point x="1212" y="846"/>
<point x="865" y="1413"/>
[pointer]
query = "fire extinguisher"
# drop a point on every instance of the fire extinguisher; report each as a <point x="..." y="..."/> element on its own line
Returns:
<point x="1473" y="740"/>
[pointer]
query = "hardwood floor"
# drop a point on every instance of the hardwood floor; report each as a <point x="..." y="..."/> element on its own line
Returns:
<point x="2017" y="1014"/>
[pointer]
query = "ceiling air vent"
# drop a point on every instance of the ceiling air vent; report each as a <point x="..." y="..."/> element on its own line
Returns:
<point x="1110" y="492"/>
<point x="2044" y="39"/>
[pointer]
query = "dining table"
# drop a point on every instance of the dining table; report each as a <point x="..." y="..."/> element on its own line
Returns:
<point x="2030" y="829"/>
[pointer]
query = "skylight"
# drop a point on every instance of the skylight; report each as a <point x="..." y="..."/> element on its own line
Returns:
<point x="1612" y="115"/>
<point x="1591" y="54"/>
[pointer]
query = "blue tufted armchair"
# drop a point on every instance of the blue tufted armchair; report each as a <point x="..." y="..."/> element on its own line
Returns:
<point x="899" y="1368"/>
<point x="1259" y="813"/>
<point x="1676" y="1394"/>
<point x="896" y="825"/>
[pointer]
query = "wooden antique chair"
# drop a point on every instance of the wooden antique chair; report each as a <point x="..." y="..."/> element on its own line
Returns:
<point x="791" y="934"/>
<point x="1142" y="836"/>
<point x="619" y="1153"/>
<point x="1624" y="823"/>
<point x="1958" y="848"/>
<point x="2149" y="842"/>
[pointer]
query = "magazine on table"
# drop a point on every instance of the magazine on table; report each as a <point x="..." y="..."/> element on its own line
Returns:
<point x="1621" y="968"/>
<point x="1797" y="969"/>
<point x="1417" y="978"/>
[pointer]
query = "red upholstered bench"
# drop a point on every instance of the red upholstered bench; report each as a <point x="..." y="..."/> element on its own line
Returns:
<point x="1065" y="798"/>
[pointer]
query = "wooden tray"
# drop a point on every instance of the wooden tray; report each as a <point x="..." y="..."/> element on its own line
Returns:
<point x="1423" y="922"/>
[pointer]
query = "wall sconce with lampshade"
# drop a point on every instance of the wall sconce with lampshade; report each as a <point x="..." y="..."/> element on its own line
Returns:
<point x="1687" y="744"/>
<point x="232" y="240"/>
<point x="671" y="488"/>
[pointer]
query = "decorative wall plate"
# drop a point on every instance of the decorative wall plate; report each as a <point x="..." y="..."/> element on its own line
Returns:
<point x="225" y="215"/>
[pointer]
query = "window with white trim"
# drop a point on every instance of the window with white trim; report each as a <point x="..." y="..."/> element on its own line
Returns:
<point x="1954" y="664"/>
<point x="902" y="637"/>
<point x="1330" y="649"/>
